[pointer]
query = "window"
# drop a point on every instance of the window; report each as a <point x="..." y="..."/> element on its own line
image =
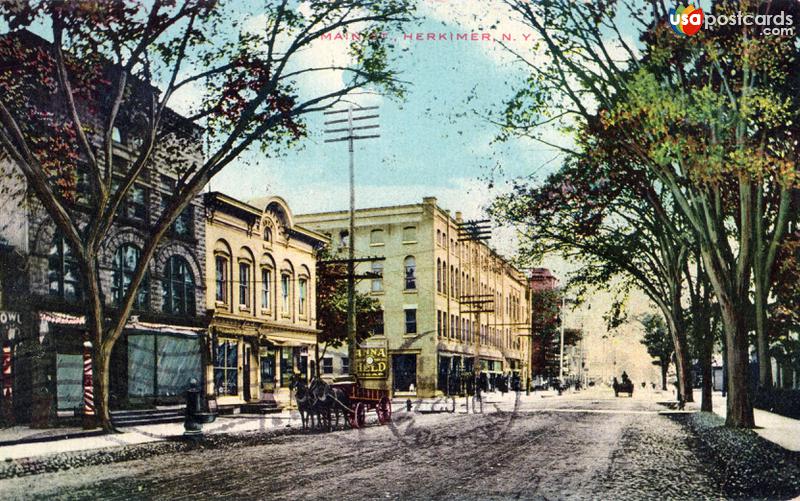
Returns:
<point x="226" y="368"/>
<point x="125" y="261"/>
<point x="411" y="273"/>
<point x="183" y="223"/>
<point x="411" y="321"/>
<point x="178" y="287"/>
<point x="377" y="282"/>
<point x="266" y="281"/>
<point x="302" y="285"/>
<point x="267" y="233"/>
<point x="327" y="365"/>
<point x="438" y="275"/>
<point x="244" y="284"/>
<point x="377" y="330"/>
<point x="410" y="234"/>
<point x="344" y="239"/>
<point x="221" y="279"/>
<point x="376" y="237"/>
<point x="345" y="365"/>
<point x="285" y="293"/>
<point x="116" y="136"/>
<point x="134" y="206"/>
<point x="439" y="323"/>
<point x="63" y="272"/>
<point x="452" y="282"/>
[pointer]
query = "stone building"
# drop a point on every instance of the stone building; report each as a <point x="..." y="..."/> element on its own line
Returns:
<point x="263" y="269"/>
<point x="429" y="334"/>
<point x="160" y="348"/>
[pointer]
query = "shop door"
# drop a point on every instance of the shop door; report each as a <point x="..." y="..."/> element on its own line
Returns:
<point x="444" y="374"/>
<point x="404" y="372"/>
<point x="246" y="373"/>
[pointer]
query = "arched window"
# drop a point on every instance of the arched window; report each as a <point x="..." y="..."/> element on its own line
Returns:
<point x="62" y="272"/>
<point x="178" y="287"/>
<point x="411" y="272"/>
<point x="125" y="261"/>
<point x="267" y="233"/>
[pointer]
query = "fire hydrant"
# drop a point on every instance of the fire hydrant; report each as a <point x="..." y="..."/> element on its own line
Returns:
<point x="195" y="417"/>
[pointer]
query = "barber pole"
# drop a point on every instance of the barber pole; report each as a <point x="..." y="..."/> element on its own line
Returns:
<point x="8" y="385"/>
<point x="88" y="387"/>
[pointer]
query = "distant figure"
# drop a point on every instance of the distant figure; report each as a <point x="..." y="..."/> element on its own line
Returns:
<point x="615" y="383"/>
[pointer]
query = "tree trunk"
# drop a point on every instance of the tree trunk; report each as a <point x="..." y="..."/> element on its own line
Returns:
<point x="664" y="370"/>
<point x="739" y="406"/>
<point x="705" y="364"/>
<point x="762" y="340"/>
<point x="102" y="365"/>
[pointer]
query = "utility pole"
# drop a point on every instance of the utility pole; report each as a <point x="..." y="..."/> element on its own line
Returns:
<point x="476" y="231"/>
<point x="349" y="130"/>
<point x="561" y="358"/>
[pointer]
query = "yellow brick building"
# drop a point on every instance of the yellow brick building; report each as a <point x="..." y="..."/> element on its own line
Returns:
<point x="260" y="271"/>
<point x="427" y="331"/>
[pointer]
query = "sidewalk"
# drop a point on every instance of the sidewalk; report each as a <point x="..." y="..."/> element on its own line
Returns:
<point x="30" y="443"/>
<point x="777" y="429"/>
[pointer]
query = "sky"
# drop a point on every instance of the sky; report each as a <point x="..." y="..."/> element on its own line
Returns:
<point x="436" y="142"/>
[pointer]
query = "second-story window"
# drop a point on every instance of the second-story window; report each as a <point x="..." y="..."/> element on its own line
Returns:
<point x="267" y="234"/>
<point x="302" y="285"/>
<point x="411" y="321"/>
<point x="410" y="265"/>
<point x="178" y="287"/>
<point x="125" y="262"/>
<point x="266" y="284"/>
<point x="244" y="284"/>
<point x="285" y="283"/>
<point x="221" y="280"/>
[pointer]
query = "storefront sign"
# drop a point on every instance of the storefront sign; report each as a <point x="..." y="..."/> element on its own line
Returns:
<point x="10" y="323"/>
<point x="372" y="361"/>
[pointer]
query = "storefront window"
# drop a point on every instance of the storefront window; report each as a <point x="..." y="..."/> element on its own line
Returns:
<point x="267" y="364"/>
<point x="226" y="368"/>
<point x="287" y="365"/>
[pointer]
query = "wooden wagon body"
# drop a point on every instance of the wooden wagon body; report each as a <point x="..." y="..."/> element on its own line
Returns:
<point x="366" y="399"/>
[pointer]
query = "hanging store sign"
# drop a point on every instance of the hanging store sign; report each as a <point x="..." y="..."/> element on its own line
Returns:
<point x="372" y="360"/>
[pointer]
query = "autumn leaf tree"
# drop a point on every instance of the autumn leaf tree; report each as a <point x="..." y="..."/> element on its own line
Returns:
<point x="104" y="66"/>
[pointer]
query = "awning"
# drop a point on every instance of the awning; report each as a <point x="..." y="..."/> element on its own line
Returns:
<point x="290" y="340"/>
<point x="52" y="317"/>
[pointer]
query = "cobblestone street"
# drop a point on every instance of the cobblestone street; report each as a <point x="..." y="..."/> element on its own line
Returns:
<point x="577" y="447"/>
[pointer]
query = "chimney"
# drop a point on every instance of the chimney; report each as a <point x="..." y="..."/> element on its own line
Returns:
<point x="459" y="218"/>
<point x="429" y="201"/>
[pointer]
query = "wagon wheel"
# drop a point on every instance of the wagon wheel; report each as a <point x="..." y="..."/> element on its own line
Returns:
<point x="384" y="410"/>
<point x="361" y="415"/>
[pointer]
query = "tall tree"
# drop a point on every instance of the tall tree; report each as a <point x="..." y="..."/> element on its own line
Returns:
<point x="119" y="64"/>
<point x="709" y="116"/>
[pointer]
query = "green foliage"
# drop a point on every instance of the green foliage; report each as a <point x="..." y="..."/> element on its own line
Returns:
<point x="332" y="305"/>
<point x="656" y="338"/>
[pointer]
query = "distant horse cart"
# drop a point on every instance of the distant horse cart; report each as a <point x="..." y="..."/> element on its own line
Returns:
<point x="321" y="404"/>
<point x="626" y="386"/>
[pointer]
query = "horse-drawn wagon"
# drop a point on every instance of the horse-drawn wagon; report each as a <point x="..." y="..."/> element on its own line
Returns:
<point x="324" y="403"/>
